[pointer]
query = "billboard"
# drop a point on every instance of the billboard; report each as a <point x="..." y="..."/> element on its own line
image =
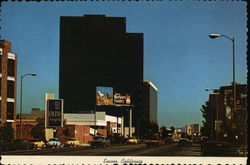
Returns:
<point x="54" y="113"/>
<point x="104" y="96"/>
<point x="122" y="98"/>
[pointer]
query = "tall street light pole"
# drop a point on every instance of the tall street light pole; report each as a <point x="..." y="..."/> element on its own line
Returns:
<point x="217" y="111"/>
<point x="21" y="100"/>
<point x="213" y="36"/>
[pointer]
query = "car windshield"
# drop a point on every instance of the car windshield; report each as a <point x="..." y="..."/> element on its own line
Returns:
<point x="52" y="139"/>
<point x="72" y="140"/>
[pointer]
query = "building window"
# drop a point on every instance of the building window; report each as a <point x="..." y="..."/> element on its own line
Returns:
<point x="11" y="67"/>
<point x="10" y="89"/>
<point x="0" y="109"/>
<point x="10" y="111"/>
<point x="0" y="86"/>
<point x="0" y="64"/>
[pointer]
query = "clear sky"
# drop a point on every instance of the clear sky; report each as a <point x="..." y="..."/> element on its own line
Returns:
<point x="179" y="57"/>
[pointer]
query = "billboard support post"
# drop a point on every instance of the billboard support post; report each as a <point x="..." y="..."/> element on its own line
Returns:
<point x="95" y="122"/>
<point x="117" y="124"/>
<point x="130" y="122"/>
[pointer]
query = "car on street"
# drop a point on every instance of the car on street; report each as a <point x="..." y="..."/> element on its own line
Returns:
<point x="100" y="141"/>
<point x="117" y="140"/>
<point x="72" y="142"/>
<point x="219" y="148"/>
<point x="38" y="143"/>
<point x="153" y="141"/>
<point x="184" y="142"/>
<point x="133" y="140"/>
<point x="54" y="142"/>
<point x="19" y="144"/>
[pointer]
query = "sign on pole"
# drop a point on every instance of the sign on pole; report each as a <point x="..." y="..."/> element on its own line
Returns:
<point x="122" y="99"/>
<point x="54" y="113"/>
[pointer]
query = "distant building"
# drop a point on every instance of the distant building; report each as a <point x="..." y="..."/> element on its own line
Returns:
<point x="29" y="120"/>
<point x="150" y="96"/>
<point x="8" y="84"/>
<point x="191" y="130"/>
<point x="35" y="114"/>
<point x="196" y="129"/>
<point x="188" y="130"/>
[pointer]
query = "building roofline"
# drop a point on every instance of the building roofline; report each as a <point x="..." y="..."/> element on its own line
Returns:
<point x="150" y="83"/>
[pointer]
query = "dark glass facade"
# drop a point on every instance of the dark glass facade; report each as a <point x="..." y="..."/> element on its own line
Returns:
<point x="95" y="50"/>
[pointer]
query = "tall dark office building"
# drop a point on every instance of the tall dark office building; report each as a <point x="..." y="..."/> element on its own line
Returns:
<point x="96" y="50"/>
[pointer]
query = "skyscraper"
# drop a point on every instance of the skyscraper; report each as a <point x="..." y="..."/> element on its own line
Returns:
<point x="150" y="93"/>
<point x="96" y="50"/>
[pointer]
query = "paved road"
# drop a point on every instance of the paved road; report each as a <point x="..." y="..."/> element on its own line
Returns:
<point x="121" y="150"/>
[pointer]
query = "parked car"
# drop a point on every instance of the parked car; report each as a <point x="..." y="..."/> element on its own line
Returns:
<point x="133" y="140"/>
<point x="99" y="141"/>
<point x="72" y="142"/>
<point x="153" y="141"/>
<point x="19" y="144"/>
<point x="54" y="142"/>
<point x="117" y="140"/>
<point x="184" y="142"/>
<point x="37" y="143"/>
<point x="217" y="148"/>
<point x="4" y="146"/>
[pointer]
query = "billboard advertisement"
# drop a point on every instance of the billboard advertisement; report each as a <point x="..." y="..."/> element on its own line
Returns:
<point x="122" y="99"/>
<point x="54" y="113"/>
<point x="104" y="96"/>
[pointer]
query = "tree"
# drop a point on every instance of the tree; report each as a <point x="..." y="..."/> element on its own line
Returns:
<point x="38" y="131"/>
<point x="149" y="129"/>
<point x="206" y="113"/>
<point x="7" y="133"/>
<point x="172" y="129"/>
<point x="164" y="132"/>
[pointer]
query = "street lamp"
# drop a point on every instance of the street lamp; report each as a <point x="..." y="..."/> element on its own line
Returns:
<point x="217" y="111"/>
<point x="21" y="99"/>
<point x="213" y="36"/>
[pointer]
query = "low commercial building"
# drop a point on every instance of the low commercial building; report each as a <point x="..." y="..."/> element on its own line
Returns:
<point x="84" y="126"/>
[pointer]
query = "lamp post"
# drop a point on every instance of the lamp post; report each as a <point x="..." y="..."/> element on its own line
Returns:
<point x="213" y="36"/>
<point x="21" y="99"/>
<point x="217" y="111"/>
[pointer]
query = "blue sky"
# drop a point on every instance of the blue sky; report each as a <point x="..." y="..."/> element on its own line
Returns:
<point x="179" y="57"/>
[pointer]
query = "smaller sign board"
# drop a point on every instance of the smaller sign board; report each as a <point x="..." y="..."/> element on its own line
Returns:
<point x="54" y="113"/>
<point x="120" y="98"/>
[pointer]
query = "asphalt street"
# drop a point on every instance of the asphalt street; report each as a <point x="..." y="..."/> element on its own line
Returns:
<point x="117" y="150"/>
